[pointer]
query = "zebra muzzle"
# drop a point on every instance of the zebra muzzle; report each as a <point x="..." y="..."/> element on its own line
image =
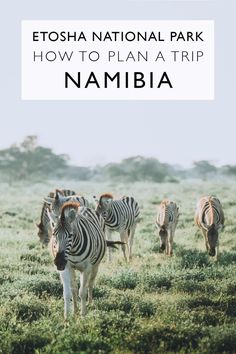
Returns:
<point x="212" y="252"/>
<point x="162" y="248"/>
<point x="60" y="261"/>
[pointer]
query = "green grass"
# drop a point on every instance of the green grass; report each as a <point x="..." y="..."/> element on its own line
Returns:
<point x="156" y="304"/>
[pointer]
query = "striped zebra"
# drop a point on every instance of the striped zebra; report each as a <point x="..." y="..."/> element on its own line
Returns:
<point x="56" y="199"/>
<point x="60" y="199"/>
<point x="77" y="243"/>
<point x="209" y="217"/>
<point x="120" y="215"/>
<point x="166" y="221"/>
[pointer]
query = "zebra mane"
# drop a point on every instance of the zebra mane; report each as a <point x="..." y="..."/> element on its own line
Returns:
<point x="70" y="205"/>
<point x="164" y="204"/>
<point x="211" y="211"/>
<point x="51" y="194"/>
<point x="107" y="195"/>
<point x="165" y="201"/>
<point x="60" y="191"/>
<point x="64" y="192"/>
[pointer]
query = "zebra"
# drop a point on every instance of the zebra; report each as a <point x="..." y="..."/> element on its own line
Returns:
<point x="120" y="215"/>
<point x="166" y="221"/>
<point x="60" y="198"/>
<point x="57" y="199"/>
<point x="77" y="242"/>
<point x="209" y="217"/>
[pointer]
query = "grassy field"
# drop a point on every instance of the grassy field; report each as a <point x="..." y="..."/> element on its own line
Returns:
<point x="156" y="304"/>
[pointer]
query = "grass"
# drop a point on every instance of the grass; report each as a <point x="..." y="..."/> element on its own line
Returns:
<point x="156" y="304"/>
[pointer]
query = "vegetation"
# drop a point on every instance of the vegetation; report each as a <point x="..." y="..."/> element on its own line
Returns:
<point x="156" y="304"/>
<point x="29" y="161"/>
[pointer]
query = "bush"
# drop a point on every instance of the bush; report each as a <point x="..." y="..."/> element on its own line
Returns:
<point x="5" y="276"/>
<point x="27" y="342"/>
<point x="36" y="257"/>
<point x="127" y="279"/>
<point x="127" y="303"/>
<point x="156" y="281"/>
<point x="28" y="308"/>
<point x="219" y="340"/>
<point x="192" y="259"/>
<point x="42" y="287"/>
<point x="160" y="338"/>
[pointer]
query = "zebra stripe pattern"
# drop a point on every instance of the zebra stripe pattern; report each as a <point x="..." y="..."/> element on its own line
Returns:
<point x="119" y="215"/>
<point x="209" y="218"/>
<point x="44" y="230"/>
<point x="167" y="219"/>
<point x="60" y="199"/>
<point x="77" y="242"/>
<point x="55" y="200"/>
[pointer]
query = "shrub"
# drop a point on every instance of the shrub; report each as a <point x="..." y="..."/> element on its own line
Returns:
<point x="192" y="259"/>
<point x="28" y="342"/>
<point x="156" y="281"/>
<point x="160" y="338"/>
<point x="127" y="279"/>
<point x="41" y="287"/>
<point x="28" y="308"/>
<point x="227" y="258"/>
<point x="36" y="257"/>
<point x="6" y="276"/>
<point x="219" y="340"/>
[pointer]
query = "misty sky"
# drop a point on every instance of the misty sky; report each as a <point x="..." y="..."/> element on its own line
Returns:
<point x="94" y="132"/>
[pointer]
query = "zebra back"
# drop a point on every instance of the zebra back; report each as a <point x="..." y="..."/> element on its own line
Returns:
<point x="122" y="214"/>
<point x="209" y="212"/>
<point x="168" y="213"/>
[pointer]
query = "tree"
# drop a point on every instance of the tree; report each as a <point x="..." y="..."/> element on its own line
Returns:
<point x="138" y="168"/>
<point x="28" y="160"/>
<point x="203" y="169"/>
<point x="229" y="170"/>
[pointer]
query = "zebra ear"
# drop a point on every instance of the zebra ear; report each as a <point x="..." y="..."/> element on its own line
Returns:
<point x="48" y="200"/>
<point x="38" y="225"/>
<point x="59" y="194"/>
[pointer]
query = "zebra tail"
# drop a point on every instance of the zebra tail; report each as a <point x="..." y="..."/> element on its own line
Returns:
<point x="114" y="243"/>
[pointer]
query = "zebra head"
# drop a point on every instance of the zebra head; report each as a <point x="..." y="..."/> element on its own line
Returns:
<point x="163" y="238"/>
<point x="44" y="230"/>
<point x="211" y="239"/>
<point x="57" y="201"/>
<point x="62" y="234"/>
<point x="103" y="204"/>
<point x="43" y="233"/>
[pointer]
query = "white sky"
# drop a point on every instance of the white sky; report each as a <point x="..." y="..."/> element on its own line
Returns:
<point x="95" y="132"/>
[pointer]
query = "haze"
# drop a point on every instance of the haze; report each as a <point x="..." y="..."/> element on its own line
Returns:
<point x="97" y="132"/>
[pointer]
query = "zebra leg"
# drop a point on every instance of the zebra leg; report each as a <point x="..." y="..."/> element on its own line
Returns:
<point x="205" y="238"/>
<point x="124" y="238"/>
<point x="108" y="237"/>
<point x="65" y="276"/>
<point x="217" y="251"/>
<point x="167" y="249"/>
<point x="83" y="290"/>
<point x="130" y="241"/>
<point x="91" y="283"/>
<point x="74" y="289"/>
<point x="170" y="241"/>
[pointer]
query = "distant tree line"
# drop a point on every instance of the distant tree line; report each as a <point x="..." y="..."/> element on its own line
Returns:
<point x="29" y="161"/>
